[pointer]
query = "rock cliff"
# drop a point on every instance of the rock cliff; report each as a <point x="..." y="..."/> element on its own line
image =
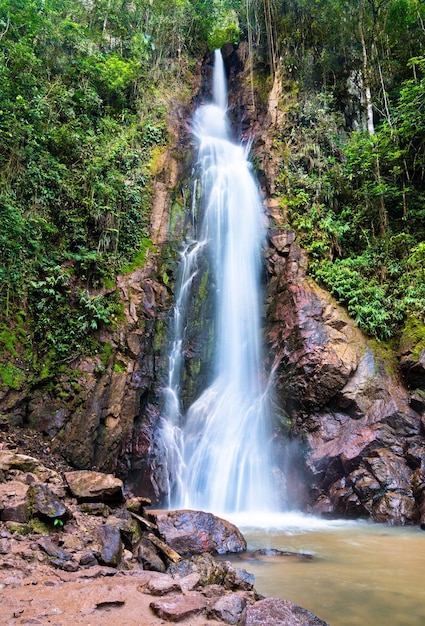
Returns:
<point x="350" y="413"/>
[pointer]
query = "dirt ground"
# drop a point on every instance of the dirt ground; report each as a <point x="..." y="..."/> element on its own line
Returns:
<point x="66" y="599"/>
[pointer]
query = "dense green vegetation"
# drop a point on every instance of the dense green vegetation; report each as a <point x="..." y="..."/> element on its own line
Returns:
<point x="353" y="172"/>
<point x="83" y="93"/>
<point x="84" y="90"/>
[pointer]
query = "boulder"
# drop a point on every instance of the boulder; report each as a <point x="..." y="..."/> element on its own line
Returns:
<point x="179" y="608"/>
<point x="196" y="532"/>
<point x="91" y="486"/>
<point x="147" y="555"/>
<point x="14" y="506"/>
<point x="211" y="572"/>
<point x="45" y="504"/>
<point x="227" y="609"/>
<point x="111" y="545"/>
<point x="276" y="612"/>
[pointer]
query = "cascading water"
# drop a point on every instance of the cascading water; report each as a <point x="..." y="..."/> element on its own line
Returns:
<point x="221" y="446"/>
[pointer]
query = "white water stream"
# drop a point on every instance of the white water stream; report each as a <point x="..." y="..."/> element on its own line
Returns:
<point x="219" y="449"/>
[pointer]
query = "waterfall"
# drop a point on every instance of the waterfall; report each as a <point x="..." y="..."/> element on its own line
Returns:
<point x="220" y="447"/>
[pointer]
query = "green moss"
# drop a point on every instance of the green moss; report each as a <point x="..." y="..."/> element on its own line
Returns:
<point x="119" y="368"/>
<point x="203" y="285"/>
<point x="386" y="353"/>
<point x="413" y="337"/>
<point x="139" y="259"/>
<point x="105" y="353"/>
<point x="159" y="336"/>
<point x="11" y="376"/>
<point x="165" y="278"/>
<point x="20" y="529"/>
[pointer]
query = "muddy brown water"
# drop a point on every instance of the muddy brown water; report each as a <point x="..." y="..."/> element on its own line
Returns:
<point x="359" y="574"/>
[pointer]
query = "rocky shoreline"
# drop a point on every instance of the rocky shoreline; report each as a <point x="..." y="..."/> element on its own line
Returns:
<point x="76" y="549"/>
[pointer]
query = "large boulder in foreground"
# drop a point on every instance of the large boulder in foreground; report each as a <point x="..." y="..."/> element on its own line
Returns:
<point x="196" y="532"/>
<point x="276" y="612"/>
<point x="94" y="486"/>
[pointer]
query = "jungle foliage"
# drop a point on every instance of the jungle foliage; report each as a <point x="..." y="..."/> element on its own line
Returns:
<point x="352" y="177"/>
<point x="84" y="88"/>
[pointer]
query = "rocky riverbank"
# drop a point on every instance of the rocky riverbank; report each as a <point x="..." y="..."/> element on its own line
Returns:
<point x="76" y="549"/>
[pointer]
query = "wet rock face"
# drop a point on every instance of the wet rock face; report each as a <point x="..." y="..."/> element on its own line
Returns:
<point x="362" y="438"/>
<point x="314" y="346"/>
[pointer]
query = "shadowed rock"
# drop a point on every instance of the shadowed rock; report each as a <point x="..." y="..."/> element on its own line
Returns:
<point x="111" y="545"/>
<point x="147" y="555"/>
<point x="45" y="504"/>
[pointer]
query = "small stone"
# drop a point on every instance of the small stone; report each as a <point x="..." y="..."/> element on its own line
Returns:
<point x="162" y="586"/>
<point x="67" y="566"/>
<point x="88" y="558"/>
<point x="52" y="550"/>
<point x="228" y="609"/>
<point x="178" y="608"/>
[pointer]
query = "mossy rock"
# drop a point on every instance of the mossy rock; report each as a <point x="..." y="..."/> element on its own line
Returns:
<point x="412" y="339"/>
<point x="412" y="353"/>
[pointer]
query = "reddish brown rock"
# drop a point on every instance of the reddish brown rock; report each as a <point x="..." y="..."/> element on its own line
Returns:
<point x="94" y="486"/>
<point x="228" y="609"/>
<point x="195" y="532"/>
<point x="348" y="408"/>
<point x="179" y="608"/>
<point x="14" y="506"/>
<point x="275" y="612"/>
<point x="163" y="586"/>
<point x="315" y="346"/>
